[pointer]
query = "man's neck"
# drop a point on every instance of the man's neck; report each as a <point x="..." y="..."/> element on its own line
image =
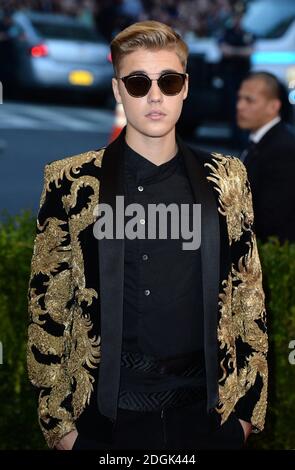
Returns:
<point x="157" y="150"/>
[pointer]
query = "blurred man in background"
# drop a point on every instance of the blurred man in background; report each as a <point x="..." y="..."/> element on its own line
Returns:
<point x="270" y="157"/>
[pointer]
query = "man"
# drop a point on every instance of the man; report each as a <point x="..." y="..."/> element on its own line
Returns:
<point x="136" y="342"/>
<point x="270" y="159"/>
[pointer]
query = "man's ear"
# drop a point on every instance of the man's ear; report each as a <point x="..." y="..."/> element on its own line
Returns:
<point x="116" y="92"/>
<point x="276" y="106"/>
<point x="186" y="85"/>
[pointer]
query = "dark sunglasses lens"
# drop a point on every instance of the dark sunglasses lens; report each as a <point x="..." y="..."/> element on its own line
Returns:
<point x="137" y="86"/>
<point x="171" y="83"/>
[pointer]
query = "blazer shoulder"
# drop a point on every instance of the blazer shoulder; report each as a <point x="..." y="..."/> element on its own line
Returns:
<point x="213" y="157"/>
<point x="70" y="167"/>
<point x="280" y="137"/>
<point x="227" y="166"/>
<point x="229" y="178"/>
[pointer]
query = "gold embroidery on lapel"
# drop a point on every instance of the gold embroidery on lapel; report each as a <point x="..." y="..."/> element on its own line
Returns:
<point x="230" y="178"/>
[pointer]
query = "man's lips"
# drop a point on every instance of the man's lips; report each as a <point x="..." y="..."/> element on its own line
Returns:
<point x="155" y="115"/>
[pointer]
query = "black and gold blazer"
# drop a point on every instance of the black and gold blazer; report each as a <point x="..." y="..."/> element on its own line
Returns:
<point x="76" y="286"/>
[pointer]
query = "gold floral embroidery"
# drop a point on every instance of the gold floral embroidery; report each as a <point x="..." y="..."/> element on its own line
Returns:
<point x="50" y="407"/>
<point x="57" y="295"/>
<point x="259" y="363"/>
<point x="230" y="178"/>
<point x="85" y="352"/>
<point x="242" y="314"/>
<point x="78" y="222"/>
<point x="69" y="168"/>
<point x="226" y="332"/>
<point x="48" y="250"/>
<point x="241" y="307"/>
<point x="62" y="263"/>
<point x="228" y="393"/>
<point x="248" y="299"/>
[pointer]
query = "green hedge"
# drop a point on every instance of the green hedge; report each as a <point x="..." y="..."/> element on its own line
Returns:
<point x="19" y="427"/>
<point x="278" y="265"/>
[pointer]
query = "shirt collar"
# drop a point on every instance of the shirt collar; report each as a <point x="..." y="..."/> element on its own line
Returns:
<point x="144" y="170"/>
<point x="257" y="135"/>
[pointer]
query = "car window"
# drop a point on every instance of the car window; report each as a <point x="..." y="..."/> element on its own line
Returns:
<point x="269" y="19"/>
<point x="66" y="32"/>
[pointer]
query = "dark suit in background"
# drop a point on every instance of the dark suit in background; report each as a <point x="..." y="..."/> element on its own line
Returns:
<point x="271" y="167"/>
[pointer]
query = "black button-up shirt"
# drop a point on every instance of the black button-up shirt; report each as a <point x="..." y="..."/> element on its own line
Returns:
<point x="163" y="308"/>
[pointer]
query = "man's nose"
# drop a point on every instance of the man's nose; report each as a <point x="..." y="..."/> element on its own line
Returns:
<point x="155" y="93"/>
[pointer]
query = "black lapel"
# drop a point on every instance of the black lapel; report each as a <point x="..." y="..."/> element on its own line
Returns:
<point x="210" y="255"/>
<point x="111" y="282"/>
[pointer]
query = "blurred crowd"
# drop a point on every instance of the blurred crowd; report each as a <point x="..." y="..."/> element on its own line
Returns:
<point x="192" y="18"/>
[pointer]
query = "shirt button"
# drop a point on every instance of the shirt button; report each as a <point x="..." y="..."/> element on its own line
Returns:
<point x="142" y="221"/>
<point x="145" y="257"/>
<point x="147" y="292"/>
<point x="140" y="188"/>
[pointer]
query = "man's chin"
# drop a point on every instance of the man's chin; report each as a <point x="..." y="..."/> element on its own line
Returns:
<point x="243" y="125"/>
<point x="157" y="133"/>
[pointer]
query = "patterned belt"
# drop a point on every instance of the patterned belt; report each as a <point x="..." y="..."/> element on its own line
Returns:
<point x="148" y="367"/>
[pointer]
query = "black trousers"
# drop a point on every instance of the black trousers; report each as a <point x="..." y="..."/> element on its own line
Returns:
<point x="182" y="427"/>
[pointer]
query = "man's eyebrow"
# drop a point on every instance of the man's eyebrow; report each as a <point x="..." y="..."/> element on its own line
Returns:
<point x="156" y="73"/>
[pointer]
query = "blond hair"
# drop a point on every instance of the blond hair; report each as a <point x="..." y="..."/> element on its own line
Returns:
<point x="147" y="35"/>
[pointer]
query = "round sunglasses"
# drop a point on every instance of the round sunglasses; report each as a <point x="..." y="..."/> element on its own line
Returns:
<point x="139" y="84"/>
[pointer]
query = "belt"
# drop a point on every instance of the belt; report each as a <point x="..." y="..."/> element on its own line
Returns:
<point x="156" y="401"/>
<point x="144" y="372"/>
<point x="182" y="365"/>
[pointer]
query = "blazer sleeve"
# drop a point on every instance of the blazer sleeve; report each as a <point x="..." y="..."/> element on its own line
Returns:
<point x="49" y="304"/>
<point x="248" y="310"/>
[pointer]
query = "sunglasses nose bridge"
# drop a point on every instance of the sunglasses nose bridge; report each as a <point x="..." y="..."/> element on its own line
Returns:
<point x="154" y="90"/>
